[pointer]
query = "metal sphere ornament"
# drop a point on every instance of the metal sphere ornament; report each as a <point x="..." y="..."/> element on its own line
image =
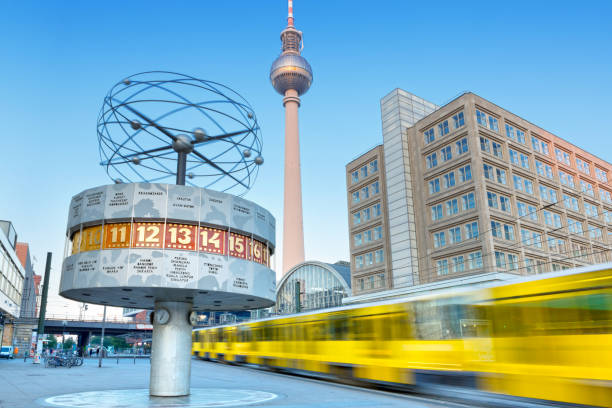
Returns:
<point x="246" y="153"/>
<point x="148" y="120"/>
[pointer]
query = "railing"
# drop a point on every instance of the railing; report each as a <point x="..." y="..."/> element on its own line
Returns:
<point x="75" y="318"/>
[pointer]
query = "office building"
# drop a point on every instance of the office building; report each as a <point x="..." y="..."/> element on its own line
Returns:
<point x="475" y="191"/>
<point x="12" y="276"/>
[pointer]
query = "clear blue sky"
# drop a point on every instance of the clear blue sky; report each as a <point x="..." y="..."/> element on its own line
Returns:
<point x="549" y="62"/>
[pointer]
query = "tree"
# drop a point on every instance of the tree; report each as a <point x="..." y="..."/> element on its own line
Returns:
<point x="51" y="342"/>
<point x="68" y="344"/>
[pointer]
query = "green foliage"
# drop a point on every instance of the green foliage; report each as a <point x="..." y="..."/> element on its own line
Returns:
<point x="116" y="342"/>
<point x="52" y="342"/>
<point x="68" y="344"/>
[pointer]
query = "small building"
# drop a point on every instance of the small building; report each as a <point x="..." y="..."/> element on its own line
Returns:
<point x="313" y="285"/>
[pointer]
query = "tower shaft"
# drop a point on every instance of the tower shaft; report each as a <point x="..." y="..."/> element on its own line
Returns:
<point x="293" y="227"/>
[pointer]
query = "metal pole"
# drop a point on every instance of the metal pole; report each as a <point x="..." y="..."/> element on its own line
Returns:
<point x="43" y="308"/>
<point x="298" y="306"/>
<point x="181" y="168"/>
<point x="102" y="338"/>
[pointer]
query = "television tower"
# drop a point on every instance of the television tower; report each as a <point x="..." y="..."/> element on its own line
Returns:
<point x="291" y="76"/>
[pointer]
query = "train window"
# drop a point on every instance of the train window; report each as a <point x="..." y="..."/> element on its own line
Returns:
<point x="339" y="328"/>
<point x="438" y="319"/>
<point x="363" y="328"/>
<point x="267" y="333"/>
<point x="401" y="326"/>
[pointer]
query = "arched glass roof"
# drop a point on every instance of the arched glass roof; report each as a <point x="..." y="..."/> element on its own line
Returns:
<point x="321" y="286"/>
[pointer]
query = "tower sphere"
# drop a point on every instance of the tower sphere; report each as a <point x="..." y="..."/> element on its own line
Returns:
<point x="291" y="71"/>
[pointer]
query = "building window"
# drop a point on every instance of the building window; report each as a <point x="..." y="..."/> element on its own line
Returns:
<point x="508" y="232"/>
<point x="539" y="146"/>
<point x="605" y="195"/>
<point x="514" y="158"/>
<point x="367" y="236"/>
<point x="465" y="173"/>
<point x="458" y="119"/>
<point x="367" y="214"/>
<point x="556" y="245"/>
<point x="475" y="260"/>
<point x="369" y="258"/>
<point x="492" y="199"/>
<point x="583" y="166"/>
<point x="365" y="192"/>
<point x="364" y="172"/>
<point x="373" y="166"/>
<point x="497" y="150"/>
<point x="493" y="124"/>
<point x="595" y="233"/>
<point x="431" y="160"/>
<point x="359" y="262"/>
<point x="520" y="136"/>
<point x="443" y="128"/>
<point x="468" y="202"/>
<point x="510" y="132"/>
<point x="446" y="153"/>
<point x="527" y="210"/>
<point x="504" y="204"/>
<point x="454" y="235"/>
<point x="376" y="208"/>
<point x="434" y="186"/>
<point x="496" y="230"/>
<point x="357" y="218"/>
<point x="357" y="239"/>
<point x="485" y="145"/>
<point x="381" y="280"/>
<point x="512" y="262"/>
<point x="574" y="226"/>
<point x="501" y="176"/>
<point x="442" y="267"/>
<point x="452" y="207"/>
<point x="571" y="203"/>
<point x="566" y="179"/>
<point x="471" y="230"/>
<point x="429" y="136"/>
<point x="354" y="177"/>
<point x="378" y="233"/>
<point x="591" y="210"/>
<point x="462" y="146"/>
<point x="436" y="212"/>
<point x="548" y="194"/>
<point x="457" y="264"/>
<point x="587" y="188"/>
<point x="481" y="118"/>
<point x="544" y="170"/>
<point x="500" y="260"/>
<point x="355" y="196"/>
<point x="524" y="161"/>
<point x="562" y="156"/>
<point x="601" y="175"/>
<point x="552" y="219"/>
<point x="488" y="171"/>
<point x="375" y="188"/>
<point x="439" y="239"/>
<point x="379" y="256"/>
<point x="449" y="179"/>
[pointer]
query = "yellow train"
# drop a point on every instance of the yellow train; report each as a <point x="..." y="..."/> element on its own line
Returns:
<point x="547" y="337"/>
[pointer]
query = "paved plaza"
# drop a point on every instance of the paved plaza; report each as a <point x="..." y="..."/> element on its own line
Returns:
<point x="27" y="385"/>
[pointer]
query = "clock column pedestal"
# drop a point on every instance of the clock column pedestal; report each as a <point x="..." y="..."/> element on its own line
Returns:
<point x="171" y="350"/>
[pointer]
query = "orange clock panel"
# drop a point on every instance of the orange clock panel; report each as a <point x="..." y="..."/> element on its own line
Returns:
<point x="148" y="235"/>
<point x="181" y="236"/>
<point x="117" y="235"/>
<point x="213" y="240"/>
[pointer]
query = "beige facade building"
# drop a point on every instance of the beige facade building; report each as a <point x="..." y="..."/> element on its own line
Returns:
<point x="481" y="191"/>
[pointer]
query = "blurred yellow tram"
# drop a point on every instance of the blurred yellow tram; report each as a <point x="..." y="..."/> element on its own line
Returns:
<point x="547" y="337"/>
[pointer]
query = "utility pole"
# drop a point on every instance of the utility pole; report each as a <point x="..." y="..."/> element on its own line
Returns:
<point x="298" y="290"/>
<point x="102" y="338"/>
<point x="43" y="310"/>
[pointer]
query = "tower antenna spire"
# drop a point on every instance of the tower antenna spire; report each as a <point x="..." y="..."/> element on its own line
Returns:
<point x="290" y="15"/>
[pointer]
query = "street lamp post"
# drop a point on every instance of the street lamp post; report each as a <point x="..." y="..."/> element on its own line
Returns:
<point x="102" y="338"/>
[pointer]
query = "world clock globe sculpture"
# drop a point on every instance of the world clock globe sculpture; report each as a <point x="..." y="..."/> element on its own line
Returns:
<point x="144" y="243"/>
